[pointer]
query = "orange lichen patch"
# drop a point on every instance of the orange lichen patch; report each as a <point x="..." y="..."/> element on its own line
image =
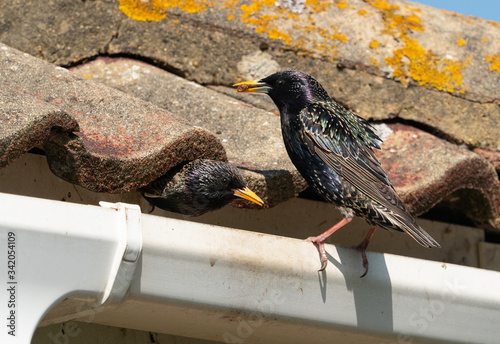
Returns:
<point x="374" y="44"/>
<point x="318" y="5"/>
<point x="231" y="6"/>
<point x="412" y="60"/>
<point x="492" y="22"/>
<point x="341" y="4"/>
<point x="262" y="22"/>
<point x="143" y="11"/>
<point x="337" y="35"/>
<point x="308" y="38"/>
<point x="155" y="10"/>
<point x="461" y="42"/>
<point x="275" y="34"/>
<point x="362" y="12"/>
<point x="484" y="40"/>
<point x="426" y="68"/>
<point x="394" y="22"/>
<point x="495" y="62"/>
<point x="374" y="62"/>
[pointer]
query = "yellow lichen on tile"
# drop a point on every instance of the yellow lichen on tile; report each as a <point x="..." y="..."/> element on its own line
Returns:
<point x="308" y="37"/>
<point x="495" y="62"/>
<point x="423" y="67"/>
<point x="318" y="5"/>
<point x="252" y="15"/>
<point x="461" y="42"/>
<point x="275" y="34"/>
<point x="484" y="40"/>
<point x="341" y="4"/>
<point x="191" y="6"/>
<point x="374" y="44"/>
<point x="230" y="5"/>
<point x="337" y="35"/>
<point x="412" y="60"/>
<point x="155" y="10"/>
<point x="374" y="62"/>
<point x="362" y="12"/>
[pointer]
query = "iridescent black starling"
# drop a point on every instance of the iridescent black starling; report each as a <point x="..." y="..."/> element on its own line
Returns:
<point x="197" y="187"/>
<point x="332" y="148"/>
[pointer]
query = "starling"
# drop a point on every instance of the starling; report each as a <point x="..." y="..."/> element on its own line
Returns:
<point x="332" y="148"/>
<point x="197" y="187"/>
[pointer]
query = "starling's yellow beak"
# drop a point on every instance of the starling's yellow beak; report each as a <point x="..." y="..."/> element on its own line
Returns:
<point x="248" y="194"/>
<point x="253" y="86"/>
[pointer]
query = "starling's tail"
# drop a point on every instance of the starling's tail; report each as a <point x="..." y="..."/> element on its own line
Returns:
<point x="398" y="218"/>
<point x="420" y="235"/>
<point x="408" y="224"/>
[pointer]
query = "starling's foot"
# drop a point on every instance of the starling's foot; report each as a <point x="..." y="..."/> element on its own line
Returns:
<point x="362" y="248"/>
<point x="320" y="242"/>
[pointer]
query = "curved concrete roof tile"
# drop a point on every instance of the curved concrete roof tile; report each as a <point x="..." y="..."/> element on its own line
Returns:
<point x="425" y="169"/>
<point x="122" y="142"/>
<point x="26" y="122"/>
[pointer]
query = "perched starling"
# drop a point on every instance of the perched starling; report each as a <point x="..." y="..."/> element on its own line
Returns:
<point x="332" y="148"/>
<point x="197" y="187"/>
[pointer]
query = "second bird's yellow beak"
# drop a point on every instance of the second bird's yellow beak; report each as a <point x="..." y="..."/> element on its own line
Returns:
<point x="249" y="195"/>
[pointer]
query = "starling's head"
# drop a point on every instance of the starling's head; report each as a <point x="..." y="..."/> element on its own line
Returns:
<point x="289" y="89"/>
<point x="214" y="184"/>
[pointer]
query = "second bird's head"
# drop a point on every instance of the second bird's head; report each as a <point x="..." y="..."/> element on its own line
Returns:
<point x="290" y="89"/>
<point x="217" y="184"/>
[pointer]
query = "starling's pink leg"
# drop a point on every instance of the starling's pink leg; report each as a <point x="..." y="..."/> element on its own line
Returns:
<point x="362" y="248"/>
<point x="320" y="241"/>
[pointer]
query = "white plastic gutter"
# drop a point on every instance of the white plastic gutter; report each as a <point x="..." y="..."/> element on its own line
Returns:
<point x="226" y="285"/>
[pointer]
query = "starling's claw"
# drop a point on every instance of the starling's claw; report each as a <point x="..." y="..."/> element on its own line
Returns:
<point x="323" y="266"/>
<point x="362" y="248"/>
<point x="318" y="241"/>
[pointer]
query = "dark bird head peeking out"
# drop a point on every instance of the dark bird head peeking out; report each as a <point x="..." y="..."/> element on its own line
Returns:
<point x="332" y="148"/>
<point x="197" y="187"/>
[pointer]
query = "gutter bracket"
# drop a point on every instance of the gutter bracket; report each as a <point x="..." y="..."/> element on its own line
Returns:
<point x="127" y="256"/>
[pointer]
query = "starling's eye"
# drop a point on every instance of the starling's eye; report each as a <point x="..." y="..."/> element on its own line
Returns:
<point x="280" y="82"/>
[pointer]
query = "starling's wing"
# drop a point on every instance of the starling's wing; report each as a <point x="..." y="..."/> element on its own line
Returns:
<point x="338" y="132"/>
<point x="344" y="142"/>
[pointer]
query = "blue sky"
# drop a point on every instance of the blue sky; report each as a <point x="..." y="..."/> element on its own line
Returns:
<point x="486" y="9"/>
